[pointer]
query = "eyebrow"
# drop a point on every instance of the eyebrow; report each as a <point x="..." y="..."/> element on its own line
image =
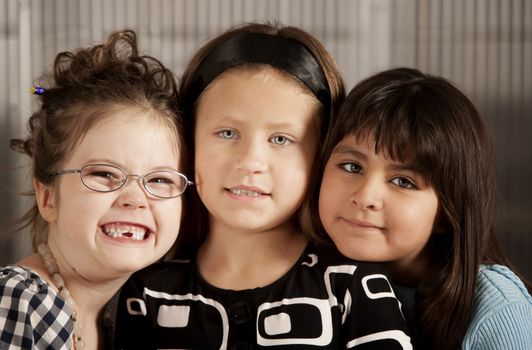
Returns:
<point x="343" y="149"/>
<point x="121" y="166"/>
<point x="290" y="127"/>
<point x="351" y="151"/>
<point x="287" y="126"/>
<point x="103" y="161"/>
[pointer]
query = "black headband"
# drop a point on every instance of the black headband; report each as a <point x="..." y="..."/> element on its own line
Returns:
<point x="283" y="53"/>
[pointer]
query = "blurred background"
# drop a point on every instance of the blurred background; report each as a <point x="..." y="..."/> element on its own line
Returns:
<point x="483" y="46"/>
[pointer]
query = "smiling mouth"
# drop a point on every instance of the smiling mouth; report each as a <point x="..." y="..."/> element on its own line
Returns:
<point x="362" y="225"/>
<point x="133" y="232"/>
<point x="246" y="193"/>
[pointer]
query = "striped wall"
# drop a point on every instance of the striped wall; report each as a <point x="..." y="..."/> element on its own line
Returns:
<point x="484" y="46"/>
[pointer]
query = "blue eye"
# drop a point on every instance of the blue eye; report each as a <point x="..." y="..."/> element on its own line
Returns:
<point x="227" y="134"/>
<point x="403" y="182"/>
<point x="350" y="167"/>
<point x="280" y="140"/>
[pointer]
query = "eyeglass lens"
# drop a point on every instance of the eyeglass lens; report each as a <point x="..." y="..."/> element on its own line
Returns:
<point x="106" y="178"/>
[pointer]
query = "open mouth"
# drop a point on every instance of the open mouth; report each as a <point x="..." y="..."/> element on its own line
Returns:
<point x="134" y="232"/>
<point x="245" y="193"/>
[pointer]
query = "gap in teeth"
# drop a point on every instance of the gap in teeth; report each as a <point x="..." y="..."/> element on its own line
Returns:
<point x="117" y="230"/>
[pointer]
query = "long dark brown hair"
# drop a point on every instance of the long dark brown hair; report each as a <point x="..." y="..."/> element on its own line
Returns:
<point x="87" y="85"/>
<point x="410" y="113"/>
<point x="195" y="226"/>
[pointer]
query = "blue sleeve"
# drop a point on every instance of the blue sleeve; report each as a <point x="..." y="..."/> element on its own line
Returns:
<point x="373" y="318"/>
<point x="507" y="328"/>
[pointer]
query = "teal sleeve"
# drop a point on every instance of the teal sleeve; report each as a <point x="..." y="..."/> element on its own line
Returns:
<point x="502" y="316"/>
<point x="507" y="328"/>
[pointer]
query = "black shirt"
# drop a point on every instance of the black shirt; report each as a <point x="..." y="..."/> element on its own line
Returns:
<point x="325" y="301"/>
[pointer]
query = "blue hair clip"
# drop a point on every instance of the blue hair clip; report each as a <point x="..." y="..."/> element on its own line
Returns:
<point x="37" y="90"/>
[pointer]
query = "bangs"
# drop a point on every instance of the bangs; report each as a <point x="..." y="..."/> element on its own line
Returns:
<point x="403" y="128"/>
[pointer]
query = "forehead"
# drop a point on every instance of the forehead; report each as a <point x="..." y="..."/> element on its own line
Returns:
<point x="367" y="140"/>
<point x="271" y="78"/>
<point x="128" y="133"/>
<point x="251" y="92"/>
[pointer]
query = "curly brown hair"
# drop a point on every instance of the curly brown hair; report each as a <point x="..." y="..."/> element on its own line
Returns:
<point x="87" y="86"/>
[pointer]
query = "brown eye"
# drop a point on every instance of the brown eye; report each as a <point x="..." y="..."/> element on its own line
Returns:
<point x="351" y="167"/>
<point x="403" y="182"/>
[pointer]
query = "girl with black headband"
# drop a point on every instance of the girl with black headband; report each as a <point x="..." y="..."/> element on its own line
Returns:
<point x="258" y="100"/>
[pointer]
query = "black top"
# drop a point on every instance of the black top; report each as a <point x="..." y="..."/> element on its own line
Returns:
<point x="325" y="301"/>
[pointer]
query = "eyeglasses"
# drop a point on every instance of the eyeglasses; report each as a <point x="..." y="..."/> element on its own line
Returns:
<point x="109" y="178"/>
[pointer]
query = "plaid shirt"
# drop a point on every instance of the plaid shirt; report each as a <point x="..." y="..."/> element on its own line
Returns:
<point x="32" y="315"/>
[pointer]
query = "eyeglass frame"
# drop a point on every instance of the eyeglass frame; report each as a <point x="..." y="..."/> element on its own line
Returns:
<point x="143" y="178"/>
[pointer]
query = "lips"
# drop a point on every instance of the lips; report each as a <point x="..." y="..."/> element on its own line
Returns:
<point x="244" y="191"/>
<point x="131" y="231"/>
<point x="361" y="224"/>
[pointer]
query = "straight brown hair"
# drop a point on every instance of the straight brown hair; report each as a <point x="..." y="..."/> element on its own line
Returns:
<point x="410" y="113"/>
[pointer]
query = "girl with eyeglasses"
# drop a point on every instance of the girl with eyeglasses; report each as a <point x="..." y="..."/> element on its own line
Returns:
<point x="106" y="147"/>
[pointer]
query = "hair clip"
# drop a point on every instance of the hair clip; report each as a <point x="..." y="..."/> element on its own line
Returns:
<point x="37" y="90"/>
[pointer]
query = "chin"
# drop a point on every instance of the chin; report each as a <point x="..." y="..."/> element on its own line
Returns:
<point x="356" y="254"/>
<point x="127" y="271"/>
<point x="128" y="268"/>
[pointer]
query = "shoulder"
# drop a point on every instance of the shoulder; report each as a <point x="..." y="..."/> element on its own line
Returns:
<point x="341" y="273"/>
<point x="499" y="281"/>
<point x="36" y="314"/>
<point x="329" y="257"/>
<point x="24" y="290"/>
<point x="19" y="281"/>
<point x="502" y="314"/>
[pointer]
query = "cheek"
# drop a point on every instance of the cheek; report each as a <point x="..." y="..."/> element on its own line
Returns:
<point x="207" y="165"/>
<point x="79" y="221"/>
<point x="414" y="216"/>
<point x="168" y="215"/>
<point x="294" y="173"/>
<point x="201" y="151"/>
<point x="330" y="189"/>
<point x="328" y="202"/>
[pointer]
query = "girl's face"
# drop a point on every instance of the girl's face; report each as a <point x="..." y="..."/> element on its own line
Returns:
<point x="82" y="221"/>
<point x="376" y="209"/>
<point x="255" y="140"/>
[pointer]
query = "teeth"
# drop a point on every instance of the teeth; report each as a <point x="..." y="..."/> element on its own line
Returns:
<point x="134" y="232"/>
<point x="240" y="192"/>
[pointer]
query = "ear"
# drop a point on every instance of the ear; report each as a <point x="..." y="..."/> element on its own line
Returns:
<point x="45" y="201"/>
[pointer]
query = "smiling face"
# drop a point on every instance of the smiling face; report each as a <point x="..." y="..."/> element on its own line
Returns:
<point x="255" y="140"/>
<point x="115" y="233"/>
<point x="376" y="209"/>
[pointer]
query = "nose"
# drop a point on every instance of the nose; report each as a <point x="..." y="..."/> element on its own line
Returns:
<point x="367" y="194"/>
<point x="132" y="195"/>
<point x="252" y="157"/>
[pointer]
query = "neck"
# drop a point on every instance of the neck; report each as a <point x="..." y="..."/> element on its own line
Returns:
<point x="89" y="296"/>
<point x="232" y="259"/>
